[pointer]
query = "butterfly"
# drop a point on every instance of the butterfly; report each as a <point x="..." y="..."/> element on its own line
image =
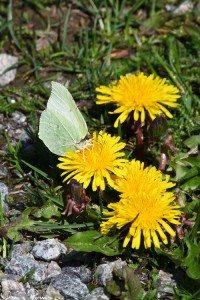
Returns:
<point x="62" y="127"/>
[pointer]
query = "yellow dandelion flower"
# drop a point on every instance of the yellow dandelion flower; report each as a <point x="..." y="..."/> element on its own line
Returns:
<point x="98" y="162"/>
<point x="145" y="205"/>
<point x="139" y="93"/>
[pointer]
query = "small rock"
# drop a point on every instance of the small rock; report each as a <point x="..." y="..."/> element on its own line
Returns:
<point x="31" y="293"/>
<point x="20" y="134"/>
<point x="19" y="297"/>
<point x="3" y="172"/>
<point x="97" y="294"/>
<point x="22" y="265"/>
<point x="70" y="287"/>
<point x="3" y="195"/>
<point x="104" y="271"/>
<point x="53" y="269"/>
<point x="3" y="263"/>
<point x="6" y="61"/>
<point x="185" y="7"/>
<point x="50" y="249"/>
<point x="12" y="288"/>
<point x="52" y="293"/>
<point x="21" y="249"/>
<point x="82" y="272"/>
<point x="14" y="127"/>
<point x="18" y="117"/>
<point x="165" y="285"/>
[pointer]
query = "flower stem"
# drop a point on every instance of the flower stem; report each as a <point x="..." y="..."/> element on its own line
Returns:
<point x="163" y="158"/>
<point x="167" y="144"/>
<point x="100" y="200"/>
<point x="139" y="141"/>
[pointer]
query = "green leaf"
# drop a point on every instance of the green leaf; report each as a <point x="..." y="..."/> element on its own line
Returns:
<point x="195" y="228"/>
<point x="133" y="285"/>
<point x="36" y="169"/>
<point x="192" y="184"/>
<point x="126" y="284"/>
<point x="192" y="206"/>
<point x="150" y="295"/>
<point x="192" y="141"/>
<point x="197" y="120"/>
<point x="192" y="161"/>
<point x="56" y="200"/>
<point x="192" y="261"/>
<point x="191" y="29"/>
<point x="89" y="241"/>
<point x="48" y="210"/>
<point x="22" y="222"/>
<point x="113" y="288"/>
<point x="183" y="173"/>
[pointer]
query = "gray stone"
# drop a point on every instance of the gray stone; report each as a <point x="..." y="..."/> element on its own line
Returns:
<point x="104" y="271"/>
<point x="3" y="172"/>
<point x="53" y="269"/>
<point x="22" y="265"/>
<point x="11" y="288"/>
<point x="21" y="249"/>
<point x="164" y="285"/>
<point x="6" y="61"/>
<point x="70" y="286"/>
<point x="82" y="272"/>
<point x="31" y="293"/>
<point x="14" y="128"/>
<point x="18" y="297"/>
<point x="50" y="249"/>
<point x="20" y="135"/>
<point x="97" y="294"/>
<point x="185" y="7"/>
<point x="52" y="293"/>
<point x="18" y="117"/>
<point x="3" y="195"/>
<point x="3" y="263"/>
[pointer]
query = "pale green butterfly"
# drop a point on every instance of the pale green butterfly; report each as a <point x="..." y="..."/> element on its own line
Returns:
<point x="62" y="127"/>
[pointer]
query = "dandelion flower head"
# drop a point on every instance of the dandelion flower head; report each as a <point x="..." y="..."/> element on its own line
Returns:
<point x="138" y="94"/>
<point x="145" y="206"/>
<point x="97" y="163"/>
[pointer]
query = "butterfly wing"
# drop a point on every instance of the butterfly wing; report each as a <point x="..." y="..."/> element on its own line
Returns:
<point x="61" y="125"/>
